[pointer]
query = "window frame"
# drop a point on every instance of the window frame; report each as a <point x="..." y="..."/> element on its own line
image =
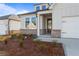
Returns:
<point x="44" y="7"/>
<point x="37" y="8"/>
<point x="27" y="21"/>
<point x="32" y="20"/>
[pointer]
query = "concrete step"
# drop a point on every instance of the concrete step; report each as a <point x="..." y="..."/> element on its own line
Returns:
<point x="47" y="38"/>
<point x="44" y="36"/>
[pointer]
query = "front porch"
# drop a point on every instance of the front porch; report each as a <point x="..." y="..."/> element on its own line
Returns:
<point x="44" y="24"/>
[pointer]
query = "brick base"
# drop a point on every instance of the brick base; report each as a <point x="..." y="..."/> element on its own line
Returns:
<point x="56" y="33"/>
<point x="29" y="31"/>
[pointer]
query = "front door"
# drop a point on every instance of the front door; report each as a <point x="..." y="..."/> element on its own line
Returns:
<point x="49" y="26"/>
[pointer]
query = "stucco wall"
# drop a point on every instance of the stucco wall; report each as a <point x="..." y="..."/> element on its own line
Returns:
<point x="4" y="21"/>
<point x="61" y="10"/>
<point x="3" y="26"/>
<point x="56" y="16"/>
<point x="14" y="25"/>
<point x="40" y="24"/>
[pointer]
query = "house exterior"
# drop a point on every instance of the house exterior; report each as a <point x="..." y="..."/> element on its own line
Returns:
<point x="59" y="20"/>
<point x="27" y="25"/>
<point x="9" y="24"/>
<point x="40" y="16"/>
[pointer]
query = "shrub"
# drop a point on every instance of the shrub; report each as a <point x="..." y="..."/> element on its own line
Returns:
<point x="20" y="39"/>
<point x="21" y="44"/>
<point x="13" y="36"/>
<point x="33" y="36"/>
<point x="20" y="36"/>
<point x="5" y="42"/>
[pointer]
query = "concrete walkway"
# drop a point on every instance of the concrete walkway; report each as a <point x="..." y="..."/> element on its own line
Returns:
<point x="71" y="46"/>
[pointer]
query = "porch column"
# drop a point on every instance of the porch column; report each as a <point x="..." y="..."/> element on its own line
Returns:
<point x="52" y="28"/>
<point x="38" y="29"/>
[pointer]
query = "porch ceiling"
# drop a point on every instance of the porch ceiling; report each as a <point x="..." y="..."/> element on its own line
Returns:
<point x="47" y="15"/>
<point x="45" y="12"/>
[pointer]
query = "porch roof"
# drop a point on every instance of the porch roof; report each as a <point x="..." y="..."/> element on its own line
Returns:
<point x="34" y="12"/>
<point x="37" y="12"/>
<point x="44" y="11"/>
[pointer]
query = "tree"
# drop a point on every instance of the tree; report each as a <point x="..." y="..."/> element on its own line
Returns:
<point x="9" y="27"/>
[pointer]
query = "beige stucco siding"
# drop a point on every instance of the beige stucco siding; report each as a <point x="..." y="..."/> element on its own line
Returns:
<point x="63" y="10"/>
<point x="59" y="11"/>
<point x="3" y="26"/>
<point x="56" y="17"/>
<point x="4" y="22"/>
<point x="14" y="25"/>
<point x="40" y="24"/>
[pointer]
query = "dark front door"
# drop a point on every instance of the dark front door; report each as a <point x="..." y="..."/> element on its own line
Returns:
<point x="49" y="26"/>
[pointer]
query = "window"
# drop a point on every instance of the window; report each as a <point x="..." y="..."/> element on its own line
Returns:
<point x="44" y="7"/>
<point x="27" y="21"/>
<point x="38" y="8"/>
<point x="34" y="20"/>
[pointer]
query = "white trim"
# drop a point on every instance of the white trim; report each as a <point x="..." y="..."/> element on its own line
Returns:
<point x="38" y="29"/>
<point x="30" y="20"/>
<point x="45" y="12"/>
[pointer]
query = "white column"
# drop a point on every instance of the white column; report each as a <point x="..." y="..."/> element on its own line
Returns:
<point x="52" y="25"/>
<point x="38" y="28"/>
<point x="30" y="20"/>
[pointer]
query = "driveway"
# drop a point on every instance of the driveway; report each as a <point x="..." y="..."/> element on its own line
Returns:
<point x="71" y="46"/>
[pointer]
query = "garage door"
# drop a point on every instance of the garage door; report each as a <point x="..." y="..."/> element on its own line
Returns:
<point x="2" y="29"/>
<point x="70" y="27"/>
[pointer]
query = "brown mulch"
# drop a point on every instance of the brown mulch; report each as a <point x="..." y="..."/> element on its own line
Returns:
<point x="32" y="48"/>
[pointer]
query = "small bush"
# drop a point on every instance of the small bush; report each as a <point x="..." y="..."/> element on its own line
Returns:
<point x="33" y="36"/>
<point x="5" y="42"/>
<point x="13" y="36"/>
<point x="20" y="36"/>
<point x="20" y="39"/>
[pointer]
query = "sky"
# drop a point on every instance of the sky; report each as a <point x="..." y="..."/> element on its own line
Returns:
<point x="15" y="8"/>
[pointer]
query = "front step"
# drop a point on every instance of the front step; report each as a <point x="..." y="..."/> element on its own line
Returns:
<point x="44" y="36"/>
<point x="47" y="38"/>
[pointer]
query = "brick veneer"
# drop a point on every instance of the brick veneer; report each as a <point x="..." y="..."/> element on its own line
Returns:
<point x="56" y="33"/>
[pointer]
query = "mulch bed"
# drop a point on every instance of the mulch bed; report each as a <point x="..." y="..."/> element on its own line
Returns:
<point x="32" y="48"/>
